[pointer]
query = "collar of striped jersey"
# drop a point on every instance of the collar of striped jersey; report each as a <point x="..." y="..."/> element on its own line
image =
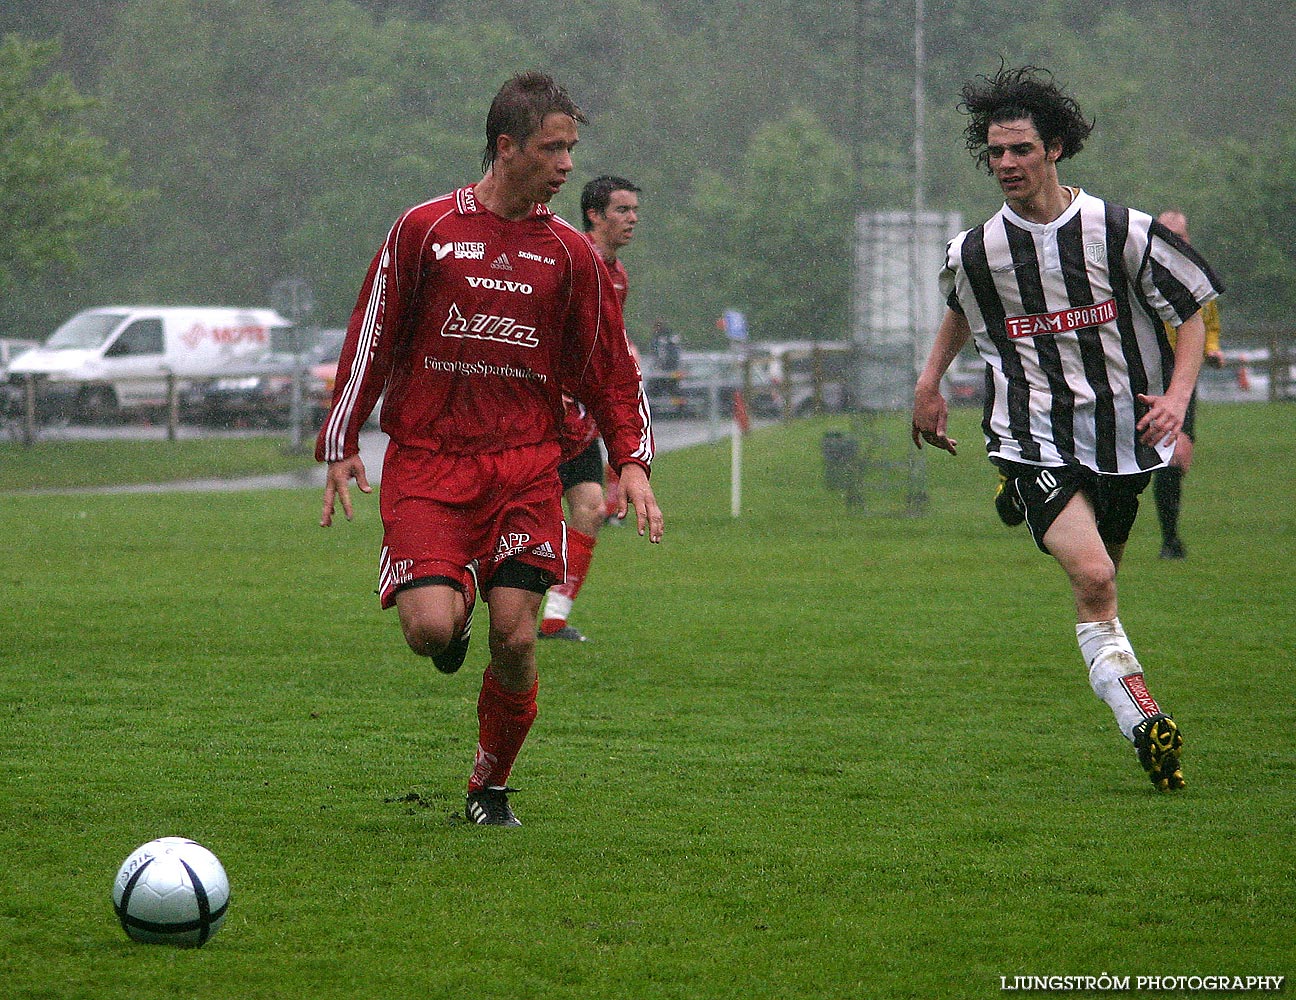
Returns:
<point x="466" y="204"/>
<point x="1077" y="195"/>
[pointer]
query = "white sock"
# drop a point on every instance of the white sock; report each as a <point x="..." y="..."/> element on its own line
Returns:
<point x="556" y="605"/>
<point x="1097" y="637"/>
<point x="1115" y="673"/>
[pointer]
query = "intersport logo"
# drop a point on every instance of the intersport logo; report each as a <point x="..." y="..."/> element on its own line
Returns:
<point x="499" y="285"/>
<point x="461" y="251"/>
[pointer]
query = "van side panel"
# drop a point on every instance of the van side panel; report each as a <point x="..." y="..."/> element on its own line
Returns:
<point x="197" y="342"/>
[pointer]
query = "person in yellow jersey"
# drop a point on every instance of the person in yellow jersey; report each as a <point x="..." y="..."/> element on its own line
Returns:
<point x="1167" y="482"/>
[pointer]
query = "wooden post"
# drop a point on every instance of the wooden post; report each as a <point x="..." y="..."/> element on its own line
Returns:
<point x="817" y="397"/>
<point x="1280" y="362"/>
<point x="29" y="410"/>
<point x="173" y="406"/>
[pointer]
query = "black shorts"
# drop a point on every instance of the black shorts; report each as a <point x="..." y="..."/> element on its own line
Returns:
<point x="1045" y="490"/>
<point x="521" y="576"/>
<point x="587" y="467"/>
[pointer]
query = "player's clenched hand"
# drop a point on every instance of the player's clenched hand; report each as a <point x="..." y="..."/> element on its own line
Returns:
<point x="1163" y="420"/>
<point x="336" y="487"/>
<point x="635" y="490"/>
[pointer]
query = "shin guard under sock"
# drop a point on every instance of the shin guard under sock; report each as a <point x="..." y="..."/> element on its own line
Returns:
<point x="503" y="720"/>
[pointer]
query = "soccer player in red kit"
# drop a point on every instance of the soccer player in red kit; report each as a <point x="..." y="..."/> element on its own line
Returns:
<point x="610" y="211"/>
<point x="479" y="312"/>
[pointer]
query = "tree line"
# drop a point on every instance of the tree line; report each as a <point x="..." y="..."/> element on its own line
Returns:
<point x="182" y="151"/>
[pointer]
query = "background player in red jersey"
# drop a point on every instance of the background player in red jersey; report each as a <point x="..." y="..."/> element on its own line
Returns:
<point x="1065" y="295"/>
<point x="610" y="211"/>
<point x="479" y="311"/>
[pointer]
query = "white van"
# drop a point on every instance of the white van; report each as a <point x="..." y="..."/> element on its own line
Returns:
<point x="10" y="348"/>
<point x="115" y="358"/>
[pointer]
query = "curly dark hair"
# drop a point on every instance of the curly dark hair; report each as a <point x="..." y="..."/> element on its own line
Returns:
<point x="520" y="108"/>
<point x="1012" y="94"/>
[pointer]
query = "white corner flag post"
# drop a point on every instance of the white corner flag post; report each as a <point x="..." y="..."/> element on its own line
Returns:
<point x="735" y="327"/>
<point x="735" y="469"/>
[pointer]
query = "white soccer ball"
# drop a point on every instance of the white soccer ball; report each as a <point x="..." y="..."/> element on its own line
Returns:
<point x="171" y="891"/>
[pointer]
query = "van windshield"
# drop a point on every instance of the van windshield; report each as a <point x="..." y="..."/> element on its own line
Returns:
<point x="86" y="330"/>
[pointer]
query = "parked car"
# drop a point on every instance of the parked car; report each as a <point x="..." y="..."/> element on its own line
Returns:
<point x="665" y="398"/>
<point x="322" y="375"/>
<point x="793" y="378"/>
<point x="10" y="348"/>
<point x="1247" y="375"/>
<point x="261" y="395"/>
<point x="708" y="382"/>
<point x="698" y="384"/>
<point x="783" y="379"/>
<point x="259" y="398"/>
<point x="107" y="361"/>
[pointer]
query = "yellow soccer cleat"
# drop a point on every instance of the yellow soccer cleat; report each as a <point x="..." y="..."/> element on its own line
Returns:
<point x="1160" y="747"/>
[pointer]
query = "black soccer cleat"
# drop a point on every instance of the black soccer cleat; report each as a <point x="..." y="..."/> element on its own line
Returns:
<point x="490" y="807"/>
<point x="566" y="632"/>
<point x="1008" y="506"/>
<point x="1174" y="549"/>
<point x="452" y="657"/>
<point x="1160" y="747"/>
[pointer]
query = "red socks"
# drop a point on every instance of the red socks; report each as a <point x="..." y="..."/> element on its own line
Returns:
<point x="580" y="552"/>
<point x="558" y="602"/>
<point x="503" y="720"/>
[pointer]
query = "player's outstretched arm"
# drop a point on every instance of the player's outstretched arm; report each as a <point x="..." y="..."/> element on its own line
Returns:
<point x="635" y="490"/>
<point x="930" y="411"/>
<point x="336" y="486"/>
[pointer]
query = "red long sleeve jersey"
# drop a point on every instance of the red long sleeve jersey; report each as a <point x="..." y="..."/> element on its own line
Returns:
<point x="471" y="327"/>
<point x="579" y="429"/>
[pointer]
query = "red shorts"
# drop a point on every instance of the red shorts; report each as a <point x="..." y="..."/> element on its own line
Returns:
<point x="440" y="512"/>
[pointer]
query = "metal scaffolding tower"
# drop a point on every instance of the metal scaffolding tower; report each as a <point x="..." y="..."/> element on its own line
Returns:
<point x="896" y="308"/>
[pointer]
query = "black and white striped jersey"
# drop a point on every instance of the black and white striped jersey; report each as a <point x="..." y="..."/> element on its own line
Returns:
<point x="1068" y="318"/>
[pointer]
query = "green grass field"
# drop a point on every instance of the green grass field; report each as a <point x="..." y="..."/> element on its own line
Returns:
<point x="54" y="465"/>
<point x="809" y="753"/>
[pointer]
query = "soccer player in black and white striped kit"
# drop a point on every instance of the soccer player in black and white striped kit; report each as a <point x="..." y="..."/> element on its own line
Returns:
<point x="1065" y="295"/>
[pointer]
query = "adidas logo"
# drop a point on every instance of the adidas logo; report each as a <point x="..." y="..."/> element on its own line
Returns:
<point x="545" y="550"/>
<point x="501" y="263"/>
